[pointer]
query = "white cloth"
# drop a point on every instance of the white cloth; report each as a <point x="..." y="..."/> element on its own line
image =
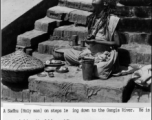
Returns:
<point x="143" y="76"/>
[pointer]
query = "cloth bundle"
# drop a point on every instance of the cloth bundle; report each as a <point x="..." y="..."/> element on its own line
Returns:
<point x="143" y="76"/>
<point x="104" y="57"/>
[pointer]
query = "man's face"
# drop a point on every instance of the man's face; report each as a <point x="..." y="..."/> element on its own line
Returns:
<point x="97" y="4"/>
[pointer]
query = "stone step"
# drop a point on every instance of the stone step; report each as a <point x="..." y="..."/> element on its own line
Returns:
<point x="58" y="33"/>
<point x="46" y="47"/>
<point x="82" y="4"/>
<point x="133" y="24"/>
<point x="73" y="76"/>
<point x="66" y="32"/>
<point x="133" y="8"/>
<point x="59" y="12"/>
<point x="69" y="14"/>
<point x="31" y="38"/>
<point x="74" y="89"/>
<point x="128" y="53"/>
<point x="135" y="2"/>
<point x="79" y="17"/>
<point x="140" y="96"/>
<point x="10" y="94"/>
<point x="133" y="11"/>
<point x="134" y="37"/>
<point x="42" y="57"/>
<point x="135" y="54"/>
<point x="47" y="24"/>
<point x="77" y="4"/>
<point x="128" y="14"/>
<point x="14" y="94"/>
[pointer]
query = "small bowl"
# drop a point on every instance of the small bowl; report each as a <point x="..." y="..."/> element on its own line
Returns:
<point x="51" y="74"/>
<point x="50" y="69"/>
<point x="58" y="55"/>
<point x="54" y="63"/>
<point x="62" y="71"/>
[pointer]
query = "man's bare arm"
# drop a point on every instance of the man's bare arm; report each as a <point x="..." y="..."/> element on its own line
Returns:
<point x="116" y="41"/>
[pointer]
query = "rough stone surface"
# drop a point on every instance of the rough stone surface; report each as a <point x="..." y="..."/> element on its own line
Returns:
<point x="86" y="5"/>
<point x="47" y="24"/>
<point x="81" y="4"/>
<point x="133" y="11"/>
<point x="147" y="58"/>
<point x="134" y="37"/>
<point x="48" y="46"/>
<point x="26" y="95"/>
<point x="66" y="32"/>
<point x="42" y="57"/>
<point x="79" y="17"/>
<point x="31" y="38"/>
<point x="135" y="53"/>
<point x="97" y="90"/>
<point x="70" y="87"/>
<point x="73" y="3"/>
<point x="58" y="33"/>
<point x="61" y="3"/>
<point x="6" y="93"/>
<point x="14" y="94"/>
<point x="77" y="4"/>
<point x="127" y="11"/>
<point x="69" y="14"/>
<point x="59" y="12"/>
<point x="135" y="2"/>
<point x="135" y="24"/>
<point x="128" y="53"/>
<point x="36" y="97"/>
<point x="140" y="96"/>
<point x="19" y="47"/>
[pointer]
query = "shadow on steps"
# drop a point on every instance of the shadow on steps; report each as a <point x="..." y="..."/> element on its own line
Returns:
<point x="130" y="87"/>
<point x="22" y="24"/>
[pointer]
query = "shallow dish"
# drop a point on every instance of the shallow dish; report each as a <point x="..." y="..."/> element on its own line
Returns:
<point x="54" y="64"/>
<point x="58" y="69"/>
<point x="50" y="69"/>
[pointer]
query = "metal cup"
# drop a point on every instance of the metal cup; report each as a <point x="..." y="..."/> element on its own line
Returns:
<point x="74" y="40"/>
<point x="82" y="43"/>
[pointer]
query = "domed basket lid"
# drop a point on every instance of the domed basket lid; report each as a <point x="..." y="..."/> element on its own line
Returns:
<point x="20" y="61"/>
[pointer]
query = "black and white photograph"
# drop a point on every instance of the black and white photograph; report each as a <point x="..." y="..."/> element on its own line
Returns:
<point x="76" y="51"/>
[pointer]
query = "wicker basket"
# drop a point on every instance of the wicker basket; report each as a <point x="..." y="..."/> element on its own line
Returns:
<point x="17" y="77"/>
<point x="18" y="66"/>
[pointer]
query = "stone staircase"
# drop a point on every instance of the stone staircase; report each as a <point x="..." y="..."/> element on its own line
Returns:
<point x="69" y="18"/>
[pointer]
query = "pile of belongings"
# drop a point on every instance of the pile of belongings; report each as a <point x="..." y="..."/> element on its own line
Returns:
<point x="143" y="76"/>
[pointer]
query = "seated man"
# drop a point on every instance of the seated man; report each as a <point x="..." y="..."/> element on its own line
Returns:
<point x="102" y="41"/>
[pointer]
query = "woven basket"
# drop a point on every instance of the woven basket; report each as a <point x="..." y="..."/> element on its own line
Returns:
<point x="18" y="66"/>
